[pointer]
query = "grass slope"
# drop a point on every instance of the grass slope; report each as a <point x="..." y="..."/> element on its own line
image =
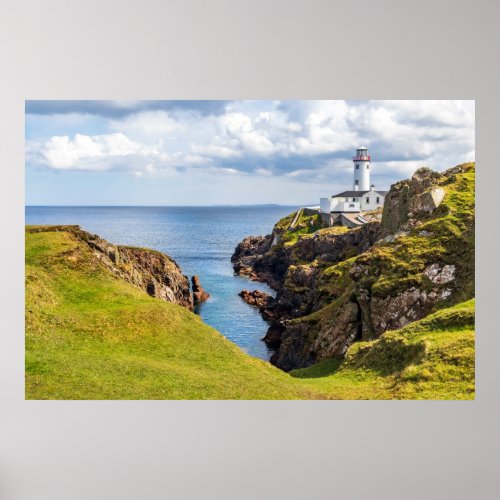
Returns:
<point x="90" y="335"/>
<point x="430" y="359"/>
<point x="305" y="225"/>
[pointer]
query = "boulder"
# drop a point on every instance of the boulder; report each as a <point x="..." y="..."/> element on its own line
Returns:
<point x="440" y="274"/>
<point x="427" y="201"/>
<point x="256" y="298"/>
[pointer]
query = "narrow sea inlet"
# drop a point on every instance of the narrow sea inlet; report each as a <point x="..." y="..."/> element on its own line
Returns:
<point x="201" y="240"/>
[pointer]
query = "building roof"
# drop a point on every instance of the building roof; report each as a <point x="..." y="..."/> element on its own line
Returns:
<point x="354" y="218"/>
<point x="356" y="194"/>
<point x="353" y="194"/>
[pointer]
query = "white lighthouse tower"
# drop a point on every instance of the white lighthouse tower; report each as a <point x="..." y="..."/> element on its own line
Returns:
<point x="361" y="169"/>
<point x="354" y="208"/>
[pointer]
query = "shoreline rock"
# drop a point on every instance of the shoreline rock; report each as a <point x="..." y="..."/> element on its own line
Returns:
<point x="199" y="294"/>
<point x="273" y="335"/>
<point x="256" y="298"/>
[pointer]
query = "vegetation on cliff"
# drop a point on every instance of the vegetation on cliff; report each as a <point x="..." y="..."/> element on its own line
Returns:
<point x="303" y="225"/>
<point x="337" y="286"/>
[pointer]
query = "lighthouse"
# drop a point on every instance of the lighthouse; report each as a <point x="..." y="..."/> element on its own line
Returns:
<point x="361" y="169"/>
<point x="350" y="208"/>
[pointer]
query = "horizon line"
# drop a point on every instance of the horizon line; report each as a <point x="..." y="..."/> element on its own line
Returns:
<point x="174" y="206"/>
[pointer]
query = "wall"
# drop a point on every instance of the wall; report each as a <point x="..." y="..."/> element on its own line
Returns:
<point x="373" y="205"/>
<point x="325" y="205"/>
<point x="349" y="206"/>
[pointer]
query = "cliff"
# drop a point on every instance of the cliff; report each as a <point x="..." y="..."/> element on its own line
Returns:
<point x="337" y="286"/>
<point x="92" y="333"/>
<point x="151" y="271"/>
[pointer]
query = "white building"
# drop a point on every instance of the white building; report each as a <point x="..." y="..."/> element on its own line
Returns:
<point x="363" y="197"/>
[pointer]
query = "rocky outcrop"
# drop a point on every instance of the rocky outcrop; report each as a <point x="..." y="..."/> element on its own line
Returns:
<point x="274" y="334"/>
<point x="263" y="258"/>
<point x="297" y="284"/>
<point x="330" y="246"/>
<point x="151" y="271"/>
<point x="407" y="197"/>
<point x="199" y="294"/>
<point x="252" y="258"/>
<point x="335" y="287"/>
<point x="440" y="274"/>
<point x="392" y="313"/>
<point x="256" y="298"/>
<point x="262" y="301"/>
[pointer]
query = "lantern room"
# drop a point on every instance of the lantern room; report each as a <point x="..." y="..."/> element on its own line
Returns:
<point x="361" y="154"/>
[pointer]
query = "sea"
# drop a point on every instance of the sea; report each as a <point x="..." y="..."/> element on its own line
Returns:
<point x="201" y="240"/>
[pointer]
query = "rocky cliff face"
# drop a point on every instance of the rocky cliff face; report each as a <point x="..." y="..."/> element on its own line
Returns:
<point x="152" y="271"/>
<point x="337" y="286"/>
<point x="253" y="258"/>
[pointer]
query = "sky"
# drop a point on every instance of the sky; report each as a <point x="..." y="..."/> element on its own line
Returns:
<point x="232" y="152"/>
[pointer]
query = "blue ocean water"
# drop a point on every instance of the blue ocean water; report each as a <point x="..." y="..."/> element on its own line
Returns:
<point x="201" y="240"/>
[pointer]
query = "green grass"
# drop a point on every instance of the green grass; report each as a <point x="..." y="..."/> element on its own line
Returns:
<point x="305" y="225"/>
<point x="430" y="359"/>
<point x="90" y="335"/>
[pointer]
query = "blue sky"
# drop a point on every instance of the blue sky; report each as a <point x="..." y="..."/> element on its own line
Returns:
<point x="232" y="152"/>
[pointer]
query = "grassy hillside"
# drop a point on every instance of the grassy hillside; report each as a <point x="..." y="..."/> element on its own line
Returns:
<point x="90" y="335"/>
<point x="430" y="359"/>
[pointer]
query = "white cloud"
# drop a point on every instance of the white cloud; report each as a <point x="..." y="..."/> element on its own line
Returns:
<point x="306" y="141"/>
<point x="61" y="152"/>
<point x="438" y="112"/>
<point x="327" y="129"/>
<point x="216" y="151"/>
<point x="240" y="127"/>
<point x="148" y="126"/>
<point x="263" y="171"/>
